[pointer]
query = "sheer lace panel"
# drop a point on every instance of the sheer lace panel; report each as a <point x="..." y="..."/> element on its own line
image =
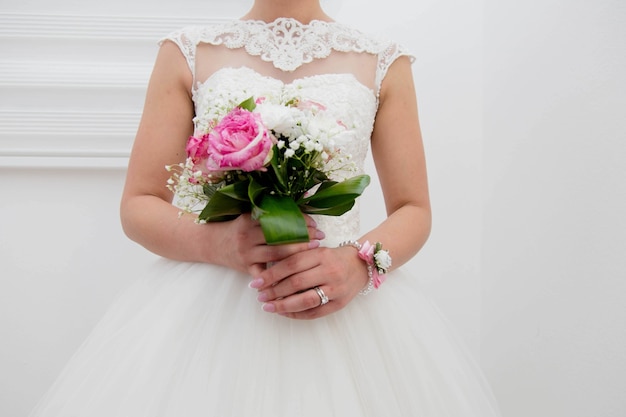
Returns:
<point x="288" y="48"/>
<point x="211" y="58"/>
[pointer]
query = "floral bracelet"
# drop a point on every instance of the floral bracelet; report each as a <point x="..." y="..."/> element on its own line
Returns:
<point x="377" y="260"/>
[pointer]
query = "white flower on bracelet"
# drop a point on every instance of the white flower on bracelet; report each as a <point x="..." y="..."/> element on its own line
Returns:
<point x="376" y="258"/>
<point x="382" y="260"/>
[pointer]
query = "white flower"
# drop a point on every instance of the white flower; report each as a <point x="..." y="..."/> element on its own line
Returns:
<point x="309" y="146"/>
<point x="275" y="117"/>
<point x="289" y="153"/>
<point x="382" y="260"/>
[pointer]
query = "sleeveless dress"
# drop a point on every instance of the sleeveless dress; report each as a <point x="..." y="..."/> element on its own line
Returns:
<point x="191" y="340"/>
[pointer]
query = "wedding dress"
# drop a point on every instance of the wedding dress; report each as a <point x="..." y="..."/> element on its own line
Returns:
<point x="191" y="340"/>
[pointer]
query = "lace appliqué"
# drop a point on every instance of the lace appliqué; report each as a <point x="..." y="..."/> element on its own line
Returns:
<point x="287" y="43"/>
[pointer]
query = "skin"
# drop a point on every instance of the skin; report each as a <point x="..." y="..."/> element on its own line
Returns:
<point x="284" y="288"/>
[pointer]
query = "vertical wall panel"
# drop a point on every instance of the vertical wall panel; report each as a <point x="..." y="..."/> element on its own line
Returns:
<point x="71" y="92"/>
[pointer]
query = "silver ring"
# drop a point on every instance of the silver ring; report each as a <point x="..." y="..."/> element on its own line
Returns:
<point x="323" y="297"/>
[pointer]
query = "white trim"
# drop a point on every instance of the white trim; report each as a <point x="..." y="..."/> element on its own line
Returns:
<point x="62" y="162"/>
<point x="57" y="139"/>
<point x="74" y="74"/>
<point x="25" y="122"/>
<point x="92" y="27"/>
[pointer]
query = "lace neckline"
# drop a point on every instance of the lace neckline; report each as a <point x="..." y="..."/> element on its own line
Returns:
<point x="287" y="43"/>
<point x="288" y="20"/>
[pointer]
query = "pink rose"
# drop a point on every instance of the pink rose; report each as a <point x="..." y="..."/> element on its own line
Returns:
<point x="197" y="148"/>
<point x="197" y="151"/>
<point x="239" y="141"/>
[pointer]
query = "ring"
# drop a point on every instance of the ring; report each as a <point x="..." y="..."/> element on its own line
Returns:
<point x="323" y="297"/>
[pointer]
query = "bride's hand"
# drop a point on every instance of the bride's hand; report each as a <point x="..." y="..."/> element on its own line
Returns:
<point x="288" y="287"/>
<point x="246" y="250"/>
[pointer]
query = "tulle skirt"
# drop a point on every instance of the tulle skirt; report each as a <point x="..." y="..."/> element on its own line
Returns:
<point x="190" y="340"/>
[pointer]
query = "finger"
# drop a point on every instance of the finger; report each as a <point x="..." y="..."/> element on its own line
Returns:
<point x="268" y="273"/>
<point x="255" y="270"/>
<point x="293" y="284"/>
<point x="313" y="313"/>
<point x="276" y="253"/>
<point x="310" y="221"/>
<point x="291" y="275"/>
<point x="300" y="302"/>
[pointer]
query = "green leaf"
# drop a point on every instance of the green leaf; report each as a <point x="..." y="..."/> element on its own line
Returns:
<point x="281" y="220"/>
<point x="337" y="210"/>
<point x="227" y="203"/>
<point x="248" y="104"/>
<point x="254" y="191"/>
<point x="337" y="193"/>
<point x="222" y="207"/>
<point x="278" y="169"/>
<point x="237" y="190"/>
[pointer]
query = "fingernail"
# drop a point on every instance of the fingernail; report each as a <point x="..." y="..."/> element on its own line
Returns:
<point x="314" y="244"/>
<point x="269" y="307"/>
<point x="256" y="283"/>
<point x="262" y="297"/>
<point x="319" y="234"/>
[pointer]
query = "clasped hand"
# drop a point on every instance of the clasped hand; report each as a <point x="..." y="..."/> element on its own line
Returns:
<point x="285" y="276"/>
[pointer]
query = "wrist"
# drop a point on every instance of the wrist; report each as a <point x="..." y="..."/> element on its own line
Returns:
<point x="376" y="259"/>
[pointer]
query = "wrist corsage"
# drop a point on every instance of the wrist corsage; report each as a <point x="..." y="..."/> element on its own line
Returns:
<point x="376" y="258"/>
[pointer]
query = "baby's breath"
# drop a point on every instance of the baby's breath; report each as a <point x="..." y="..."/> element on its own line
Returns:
<point x="306" y="149"/>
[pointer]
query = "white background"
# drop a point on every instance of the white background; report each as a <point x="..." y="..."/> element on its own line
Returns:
<point x="522" y="106"/>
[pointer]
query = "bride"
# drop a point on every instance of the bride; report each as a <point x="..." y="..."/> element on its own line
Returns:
<point x="225" y="324"/>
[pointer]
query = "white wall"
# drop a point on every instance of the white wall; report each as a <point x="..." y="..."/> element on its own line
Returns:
<point x="522" y="130"/>
<point x="554" y="237"/>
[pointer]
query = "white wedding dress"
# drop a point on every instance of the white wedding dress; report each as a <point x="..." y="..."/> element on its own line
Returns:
<point x="191" y="340"/>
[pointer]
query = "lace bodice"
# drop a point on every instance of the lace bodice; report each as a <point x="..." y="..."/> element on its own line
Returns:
<point x="321" y="62"/>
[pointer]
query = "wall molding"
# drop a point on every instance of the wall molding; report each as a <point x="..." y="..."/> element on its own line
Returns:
<point x="73" y="74"/>
<point x="60" y="138"/>
<point x="31" y="122"/>
<point x="77" y="105"/>
<point x="27" y="25"/>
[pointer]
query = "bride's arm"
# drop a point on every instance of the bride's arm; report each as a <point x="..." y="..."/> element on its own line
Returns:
<point x="147" y="215"/>
<point x="398" y="154"/>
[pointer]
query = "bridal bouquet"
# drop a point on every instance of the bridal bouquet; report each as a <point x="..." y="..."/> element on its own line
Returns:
<point x="273" y="159"/>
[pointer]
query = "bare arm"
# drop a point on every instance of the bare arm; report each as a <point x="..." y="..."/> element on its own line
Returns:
<point x="147" y="215"/>
<point x="399" y="158"/>
<point x="398" y="154"/>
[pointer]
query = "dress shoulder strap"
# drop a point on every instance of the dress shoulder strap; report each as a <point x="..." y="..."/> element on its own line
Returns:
<point x="387" y="57"/>
<point x="187" y="40"/>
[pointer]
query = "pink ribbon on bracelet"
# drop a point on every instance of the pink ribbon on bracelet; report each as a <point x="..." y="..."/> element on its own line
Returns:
<point x="366" y="253"/>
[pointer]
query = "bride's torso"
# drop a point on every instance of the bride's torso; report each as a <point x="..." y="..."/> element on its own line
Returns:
<point x="322" y="62"/>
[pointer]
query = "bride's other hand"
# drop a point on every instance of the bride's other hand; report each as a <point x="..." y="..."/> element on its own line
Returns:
<point x="249" y="252"/>
<point x="288" y="287"/>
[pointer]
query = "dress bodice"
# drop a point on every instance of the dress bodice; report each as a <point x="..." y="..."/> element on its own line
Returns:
<point x="321" y="62"/>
